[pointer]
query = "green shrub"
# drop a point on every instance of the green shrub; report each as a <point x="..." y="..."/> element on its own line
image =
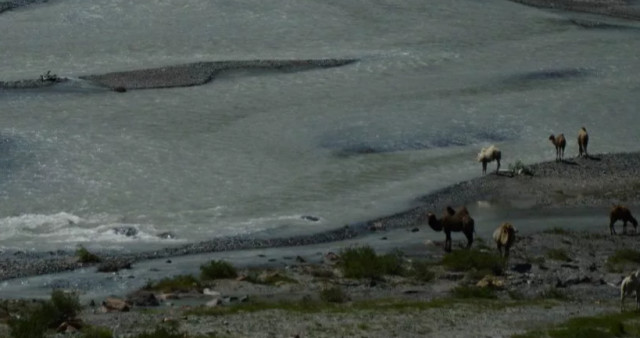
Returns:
<point x="362" y="262"/>
<point x="269" y="278"/>
<point x="557" y="231"/>
<point x="180" y="283"/>
<point x="50" y="314"/>
<point x="618" y="261"/>
<point x="421" y="271"/>
<point x="163" y="331"/>
<point x="333" y="294"/>
<point x="464" y="291"/>
<point x="558" y="255"/>
<point x="96" y="332"/>
<point x="465" y="260"/>
<point x="553" y="293"/>
<point x="84" y="256"/>
<point x="217" y="270"/>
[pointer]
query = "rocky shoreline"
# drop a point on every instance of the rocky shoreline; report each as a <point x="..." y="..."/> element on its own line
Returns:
<point x="599" y="181"/>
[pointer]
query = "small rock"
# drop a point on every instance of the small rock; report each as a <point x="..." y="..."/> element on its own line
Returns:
<point x="521" y="267"/>
<point x="143" y="298"/>
<point x="310" y="218"/>
<point x="331" y="256"/>
<point x="299" y="259"/>
<point x="126" y="231"/>
<point x="112" y="304"/>
<point x="210" y="292"/>
<point x="415" y="229"/>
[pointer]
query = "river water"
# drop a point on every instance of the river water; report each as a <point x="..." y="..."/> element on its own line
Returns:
<point x="256" y="152"/>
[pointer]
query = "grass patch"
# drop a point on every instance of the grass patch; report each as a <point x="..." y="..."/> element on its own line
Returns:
<point x="465" y="260"/>
<point x="35" y="322"/>
<point x="554" y="293"/>
<point x="85" y="256"/>
<point x="465" y="291"/>
<point x="363" y="262"/>
<point x="333" y="294"/>
<point x="557" y="231"/>
<point x="180" y="283"/>
<point x="609" y="325"/>
<point x="96" y="332"/>
<point x="421" y="271"/>
<point x="269" y="278"/>
<point x="217" y="270"/>
<point x="621" y="258"/>
<point x="307" y="305"/>
<point x="558" y="255"/>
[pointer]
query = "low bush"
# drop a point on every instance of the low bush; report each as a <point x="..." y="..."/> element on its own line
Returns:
<point x="363" y="262"/>
<point x="421" y="271"/>
<point x="621" y="258"/>
<point x="217" y="270"/>
<point x="464" y="291"/>
<point x="84" y="256"/>
<point x="465" y="260"/>
<point x="96" y="332"/>
<point x="558" y="255"/>
<point x="180" y="283"/>
<point x="333" y="294"/>
<point x="49" y="314"/>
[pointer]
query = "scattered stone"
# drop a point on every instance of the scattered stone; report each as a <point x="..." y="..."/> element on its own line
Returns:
<point x="143" y="298"/>
<point x="167" y="235"/>
<point x="114" y="265"/>
<point x="491" y="281"/>
<point x="377" y="226"/>
<point x="331" y="256"/>
<point x="168" y="261"/>
<point x="127" y="231"/>
<point x="299" y="259"/>
<point x="310" y="218"/>
<point x="214" y="302"/>
<point x="210" y="292"/>
<point x="522" y="267"/>
<point x="120" y="89"/>
<point x="415" y="229"/>
<point x="112" y="304"/>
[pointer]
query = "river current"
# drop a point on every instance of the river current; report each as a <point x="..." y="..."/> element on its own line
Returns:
<point x="287" y="153"/>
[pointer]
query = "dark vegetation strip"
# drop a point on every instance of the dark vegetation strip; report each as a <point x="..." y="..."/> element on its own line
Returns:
<point x="9" y="5"/>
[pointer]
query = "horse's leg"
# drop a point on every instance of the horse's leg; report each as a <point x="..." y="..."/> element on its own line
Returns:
<point x="484" y="167"/>
<point x="498" y="168"/>
<point x="624" y="227"/>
